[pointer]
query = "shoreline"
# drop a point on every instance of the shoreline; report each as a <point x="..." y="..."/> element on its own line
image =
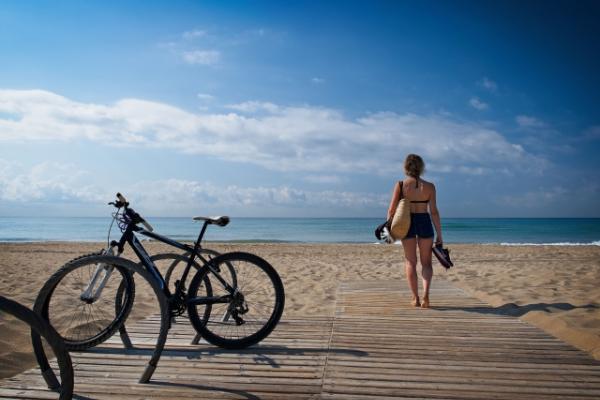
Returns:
<point x="553" y="287"/>
<point x="493" y="231"/>
<point x="290" y="242"/>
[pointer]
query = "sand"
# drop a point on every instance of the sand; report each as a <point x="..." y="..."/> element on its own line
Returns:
<point x="554" y="288"/>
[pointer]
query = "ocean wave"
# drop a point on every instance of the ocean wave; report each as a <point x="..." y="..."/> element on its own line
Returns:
<point x="595" y="243"/>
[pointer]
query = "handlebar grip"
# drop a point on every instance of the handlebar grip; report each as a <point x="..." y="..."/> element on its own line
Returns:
<point x="121" y="198"/>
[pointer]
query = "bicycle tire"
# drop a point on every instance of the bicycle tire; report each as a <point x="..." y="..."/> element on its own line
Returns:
<point x="40" y="327"/>
<point x="264" y="307"/>
<point x="99" y="325"/>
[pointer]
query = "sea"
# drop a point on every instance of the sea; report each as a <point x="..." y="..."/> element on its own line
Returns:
<point x="504" y="231"/>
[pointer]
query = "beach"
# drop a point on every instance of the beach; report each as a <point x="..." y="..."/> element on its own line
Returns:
<point x="553" y="287"/>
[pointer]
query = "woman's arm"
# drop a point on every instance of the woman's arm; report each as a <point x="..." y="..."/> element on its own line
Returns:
<point x="435" y="216"/>
<point x="394" y="201"/>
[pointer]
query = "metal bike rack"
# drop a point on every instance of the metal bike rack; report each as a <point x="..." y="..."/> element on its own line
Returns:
<point x="40" y="328"/>
<point x="165" y="322"/>
<point x="122" y="329"/>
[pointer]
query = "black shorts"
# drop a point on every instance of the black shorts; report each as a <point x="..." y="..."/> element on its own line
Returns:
<point x="420" y="225"/>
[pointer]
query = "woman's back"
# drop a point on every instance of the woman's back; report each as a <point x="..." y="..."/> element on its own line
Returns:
<point x="419" y="192"/>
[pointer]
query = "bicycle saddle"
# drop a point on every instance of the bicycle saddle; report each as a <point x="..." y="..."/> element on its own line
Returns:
<point x="219" y="221"/>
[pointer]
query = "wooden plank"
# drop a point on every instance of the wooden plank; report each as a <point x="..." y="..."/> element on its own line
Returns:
<point x="376" y="346"/>
<point x="461" y="348"/>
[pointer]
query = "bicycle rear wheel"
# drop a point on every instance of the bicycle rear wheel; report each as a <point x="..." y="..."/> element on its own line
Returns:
<point x="244" y="317"/>
<point x="80" y="300"/>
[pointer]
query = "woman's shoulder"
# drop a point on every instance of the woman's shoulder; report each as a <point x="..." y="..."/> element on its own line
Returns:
<point x="427" y="184"/>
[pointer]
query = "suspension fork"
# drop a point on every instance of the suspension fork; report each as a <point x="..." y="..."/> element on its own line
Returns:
<point x="102" y="273"/>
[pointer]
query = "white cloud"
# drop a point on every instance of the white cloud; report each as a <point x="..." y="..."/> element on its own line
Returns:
<point x="185" y="197"/>
<point x="205" y="97"/>
<point x="526" y="121"/>
<point x="250" y="107"/>
<point x="317" y="80"/>
<point x="201" y="57"/>
<point x="323" y="179"/>
<point x="45" y="182"/>
<point x="55" y="182"/>
<point x="534" y="198"/>
<point x="488" y="84"/>
<point x="204" y="47"/>
<point x="193" y="34"/>
<point x="300" y="138"/>
<point x="478" y="104"/>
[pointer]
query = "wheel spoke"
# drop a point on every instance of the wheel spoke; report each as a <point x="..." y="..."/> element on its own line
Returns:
<point x="260" y="291"/>
<point x="83" y="324"/>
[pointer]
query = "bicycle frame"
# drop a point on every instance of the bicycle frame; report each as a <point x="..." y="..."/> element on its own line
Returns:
<point x="130" y="238"/>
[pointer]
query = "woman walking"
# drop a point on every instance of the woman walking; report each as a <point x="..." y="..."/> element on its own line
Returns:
<point x="420" y="235"/>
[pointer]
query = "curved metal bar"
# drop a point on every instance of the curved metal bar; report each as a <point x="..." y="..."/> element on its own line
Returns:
<point x="123" y="334"/>
<point x="165" y="323"/>
<point x="40" y="328"/>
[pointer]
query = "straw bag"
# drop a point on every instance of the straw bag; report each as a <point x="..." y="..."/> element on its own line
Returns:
<point x="401" y="220"/>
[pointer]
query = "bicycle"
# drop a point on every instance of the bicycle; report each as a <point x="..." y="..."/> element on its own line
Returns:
<point x="41" y="329"/>
<point x="234" y="300"/>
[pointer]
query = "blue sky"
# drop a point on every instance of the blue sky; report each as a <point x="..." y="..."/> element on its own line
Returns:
<point x="299" y="108"/>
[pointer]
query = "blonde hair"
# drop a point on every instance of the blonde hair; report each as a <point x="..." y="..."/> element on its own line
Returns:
<point x="414" y="165"/>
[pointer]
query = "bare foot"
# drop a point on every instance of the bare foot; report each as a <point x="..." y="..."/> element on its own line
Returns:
<point x="415" y="302"/>
<point x="425" y="303"/>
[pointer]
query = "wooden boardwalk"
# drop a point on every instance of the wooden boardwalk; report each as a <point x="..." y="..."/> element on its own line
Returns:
<point x="375" y="347"/>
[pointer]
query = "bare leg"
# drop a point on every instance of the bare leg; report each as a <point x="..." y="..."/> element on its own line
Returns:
<point x="425" y="246"/>
<point x="410" y="256"/>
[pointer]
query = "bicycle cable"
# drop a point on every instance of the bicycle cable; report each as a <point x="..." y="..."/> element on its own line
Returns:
<point x="114" y="217"/>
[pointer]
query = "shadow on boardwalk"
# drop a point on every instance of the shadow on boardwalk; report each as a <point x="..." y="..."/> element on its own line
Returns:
<point x="242" y="393"/>
<point x="514" y="310"/>
<point x="261" y="353"/>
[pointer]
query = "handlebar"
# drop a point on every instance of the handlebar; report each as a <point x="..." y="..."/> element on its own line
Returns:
<point x="122" y="198"/>
<point x="135" y="217"/>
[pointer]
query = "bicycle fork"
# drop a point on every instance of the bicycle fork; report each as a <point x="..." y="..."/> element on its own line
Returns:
<point x="98" y="281"/>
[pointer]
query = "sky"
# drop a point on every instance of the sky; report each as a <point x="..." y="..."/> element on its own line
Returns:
<point x="299" y="109"/>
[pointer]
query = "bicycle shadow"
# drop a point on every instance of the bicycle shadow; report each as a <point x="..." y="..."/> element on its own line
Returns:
<point x="261" y="354"/>
<point x="195" y="386"/>
<point x="237" y="392"/>
<point x="514" y="310"/>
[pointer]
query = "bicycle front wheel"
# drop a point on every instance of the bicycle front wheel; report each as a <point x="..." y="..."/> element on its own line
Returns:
<point x="245" y="313"/>
<point x="80" y="300"/>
